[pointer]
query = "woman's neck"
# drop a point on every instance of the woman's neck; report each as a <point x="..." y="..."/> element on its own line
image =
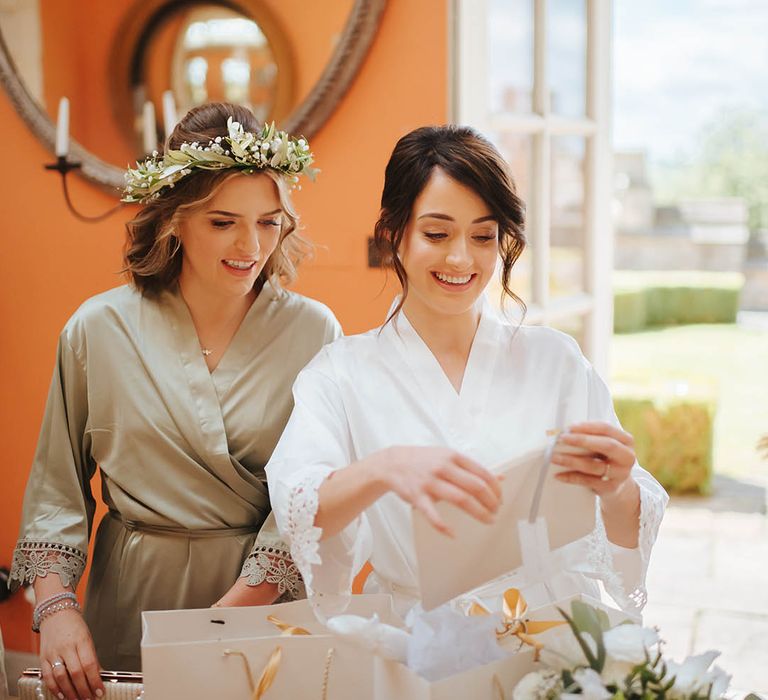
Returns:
<point x="444" y="334"/>
<point x="213" y="309"/>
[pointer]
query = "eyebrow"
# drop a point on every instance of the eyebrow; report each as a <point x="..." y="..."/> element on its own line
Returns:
<point x="221" y="212"/>
<point x="445" y="217"/>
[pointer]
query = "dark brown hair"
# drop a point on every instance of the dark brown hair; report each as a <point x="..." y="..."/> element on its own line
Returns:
<point x="153" y="252"/>
<point x="467" y="157"/>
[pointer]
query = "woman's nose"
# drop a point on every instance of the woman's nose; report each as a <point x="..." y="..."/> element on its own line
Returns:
<point x="248" y="241"/>
<point x="458" y="255"/>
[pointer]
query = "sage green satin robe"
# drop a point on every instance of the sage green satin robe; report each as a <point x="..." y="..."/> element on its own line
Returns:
<point x="181" y="450"/>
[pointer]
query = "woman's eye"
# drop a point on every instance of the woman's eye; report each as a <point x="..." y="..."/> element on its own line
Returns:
<point x="270" y="222"/>
<point x="221" y="223"/>
<point x="484" y="238"/>
<point x="435" y="236"/>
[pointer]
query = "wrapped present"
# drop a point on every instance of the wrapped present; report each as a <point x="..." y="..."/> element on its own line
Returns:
<point x="246" y="653"/>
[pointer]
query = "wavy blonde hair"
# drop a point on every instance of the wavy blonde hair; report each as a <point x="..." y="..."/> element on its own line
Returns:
<point x="153" y="253"/>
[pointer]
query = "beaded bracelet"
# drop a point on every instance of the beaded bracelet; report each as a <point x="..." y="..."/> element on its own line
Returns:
<point x="39" y="611"/>
<point x="57" y="607"/>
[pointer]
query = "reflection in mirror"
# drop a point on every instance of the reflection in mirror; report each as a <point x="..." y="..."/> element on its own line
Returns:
<point x="207" y="53"/>
<point x="290" y="60"/>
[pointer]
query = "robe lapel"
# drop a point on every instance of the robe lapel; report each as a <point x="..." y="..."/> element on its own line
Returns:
<point x="193" y="399"/>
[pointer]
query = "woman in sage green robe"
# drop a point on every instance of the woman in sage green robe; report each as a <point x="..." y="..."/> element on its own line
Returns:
<point x="179" y="410"/>
<point x="181" y="450"/>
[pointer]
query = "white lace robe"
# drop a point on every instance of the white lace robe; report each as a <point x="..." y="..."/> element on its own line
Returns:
<point x="382" y="388"/>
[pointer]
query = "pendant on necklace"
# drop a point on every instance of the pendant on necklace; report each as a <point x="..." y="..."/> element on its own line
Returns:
<point x="206" y="351"/>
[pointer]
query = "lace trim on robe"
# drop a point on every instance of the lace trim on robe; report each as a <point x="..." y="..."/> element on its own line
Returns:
<point x="33" y="558"/>
<point x="601" y="559"/>
<point x="274" y="565"/>
<point x="300" y="525"/>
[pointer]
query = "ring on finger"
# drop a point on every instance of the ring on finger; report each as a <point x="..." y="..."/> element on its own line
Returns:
<point x="56" y="663"/>
<point x="605" y="476"/>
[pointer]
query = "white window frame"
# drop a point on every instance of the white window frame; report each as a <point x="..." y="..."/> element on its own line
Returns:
<point x="469" y="105"/>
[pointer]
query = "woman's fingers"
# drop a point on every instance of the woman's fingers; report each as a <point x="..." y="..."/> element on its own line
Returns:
<point x="77" y="675"/>
<point x="50" y="681"/>
<point x="61" y="676"/>
<point x="491" y="480"/>
<point x="472" y="484"/>
<point x="446" y="491"/>
<point x="425" y="505"/>
<point x="91" y="668"/>
<point x="601" y="428"/>
<point x="610" y="447"/>
<point x="590" y="466"/>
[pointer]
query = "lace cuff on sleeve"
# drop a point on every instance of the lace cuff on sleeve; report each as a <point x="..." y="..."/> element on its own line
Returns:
<point x="273" y="564"/>
<point x="33" y="558"/>
<point x="631" y="595"/>
<point x="300" y="524"/>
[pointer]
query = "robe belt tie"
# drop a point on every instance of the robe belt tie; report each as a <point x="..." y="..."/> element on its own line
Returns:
<point x="169" y="531"/>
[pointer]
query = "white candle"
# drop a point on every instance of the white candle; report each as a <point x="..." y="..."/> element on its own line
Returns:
<point x="62" y="129"/>
<point x="169" y="113"/>
<point x="149" y="130"/>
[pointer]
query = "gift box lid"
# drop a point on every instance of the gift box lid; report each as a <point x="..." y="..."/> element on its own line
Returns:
<point x="480" y="553"/>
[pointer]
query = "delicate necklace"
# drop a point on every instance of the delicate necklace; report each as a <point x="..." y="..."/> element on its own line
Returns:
<point x="206" y="351"/>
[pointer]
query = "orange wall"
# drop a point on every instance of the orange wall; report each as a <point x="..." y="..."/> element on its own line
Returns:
<point x="50" y="263"/>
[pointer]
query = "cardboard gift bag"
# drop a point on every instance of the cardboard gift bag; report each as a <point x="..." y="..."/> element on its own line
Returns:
<point x="274" y="651"/>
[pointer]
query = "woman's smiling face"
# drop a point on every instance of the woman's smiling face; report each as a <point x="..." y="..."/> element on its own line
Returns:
<point x="227" y="242"/>
<point x="450" y="246"/>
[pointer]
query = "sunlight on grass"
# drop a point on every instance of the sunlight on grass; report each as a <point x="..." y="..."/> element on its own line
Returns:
<point x="731" y="359"/>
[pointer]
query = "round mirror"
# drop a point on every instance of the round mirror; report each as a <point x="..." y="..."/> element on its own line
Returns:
<point x="129" y="69"/>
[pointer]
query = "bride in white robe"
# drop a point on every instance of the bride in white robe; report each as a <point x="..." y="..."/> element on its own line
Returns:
<point x="447" y="371"/>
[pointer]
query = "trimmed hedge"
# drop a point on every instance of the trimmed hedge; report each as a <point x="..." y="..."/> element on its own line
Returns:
<point x="647" y="299"/>
<point x="673" y="437"/>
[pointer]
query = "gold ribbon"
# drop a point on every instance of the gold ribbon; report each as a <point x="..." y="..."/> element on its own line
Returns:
<point x="515" y="622"/>
<point x="268" y="675"/>
<point x="286" y="628"/>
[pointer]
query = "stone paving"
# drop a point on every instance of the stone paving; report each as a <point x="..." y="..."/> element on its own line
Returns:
<point x="708" y="580"/>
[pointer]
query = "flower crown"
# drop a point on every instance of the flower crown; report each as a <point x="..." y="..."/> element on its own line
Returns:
<point x="242" y="150"/>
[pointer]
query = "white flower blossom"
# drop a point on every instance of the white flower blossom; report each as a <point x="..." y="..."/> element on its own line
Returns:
<point x="694" y="675"/>
<point x="537" y="685"/>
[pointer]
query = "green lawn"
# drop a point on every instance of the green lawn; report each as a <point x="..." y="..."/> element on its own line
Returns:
<point x="726" y="359"/>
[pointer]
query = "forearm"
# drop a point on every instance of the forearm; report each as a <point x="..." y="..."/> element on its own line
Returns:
<point x="621" y="514"/>
<point x="346" y="493"/>
<point x="241" y="594"/>
<point x="47" y="586"/>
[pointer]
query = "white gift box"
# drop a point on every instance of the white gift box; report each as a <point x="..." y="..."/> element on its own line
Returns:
<point x="208" y="653"/>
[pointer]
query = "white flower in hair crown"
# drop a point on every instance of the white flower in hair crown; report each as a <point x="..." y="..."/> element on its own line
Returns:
<point x="241" y="150"/>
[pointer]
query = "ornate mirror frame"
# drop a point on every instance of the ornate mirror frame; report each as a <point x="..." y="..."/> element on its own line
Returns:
<point x="306" y="119"/>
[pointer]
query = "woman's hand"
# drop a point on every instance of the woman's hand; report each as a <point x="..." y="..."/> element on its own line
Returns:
<point x="241" y="594"/>
<point x="600" y="456"/>
<point x="423" y="476"/>
<point x="68" y="658"/>
<point x="597" y="455"/>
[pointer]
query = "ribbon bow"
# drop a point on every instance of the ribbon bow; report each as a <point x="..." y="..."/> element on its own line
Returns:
<point x="516" y="624"/>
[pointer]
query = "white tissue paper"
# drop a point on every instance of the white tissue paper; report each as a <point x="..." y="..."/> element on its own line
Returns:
<point x="372" y="634"/>
<point x="444" y="642"/>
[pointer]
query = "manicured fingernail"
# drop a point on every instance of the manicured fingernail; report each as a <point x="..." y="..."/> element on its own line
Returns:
<point x="60" y="696"/>
<point x="99" y="693"/>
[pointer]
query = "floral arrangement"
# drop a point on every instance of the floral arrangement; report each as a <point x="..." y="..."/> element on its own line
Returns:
<point x="594" y="661"/>
<point x="240" y="149"/>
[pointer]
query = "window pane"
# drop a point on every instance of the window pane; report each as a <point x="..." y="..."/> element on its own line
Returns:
<point x="567" y="57"/>
<point x="517" y="150"/>
<point x="510" y="56"/>
<point x="567" y="216"/>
